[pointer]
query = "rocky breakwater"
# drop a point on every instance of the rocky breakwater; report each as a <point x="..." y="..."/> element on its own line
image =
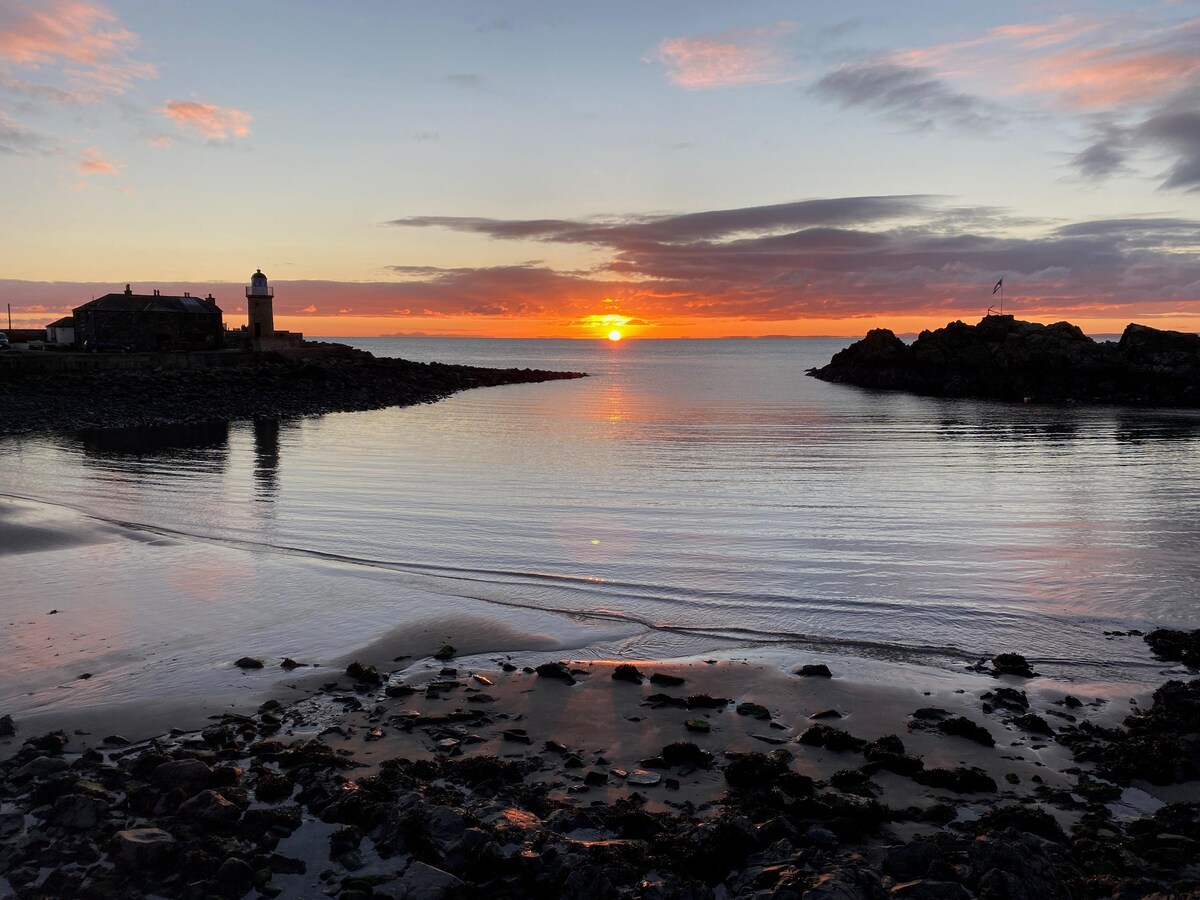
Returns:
<point x="265" y="387"/>
<point x="1004" y="358"/>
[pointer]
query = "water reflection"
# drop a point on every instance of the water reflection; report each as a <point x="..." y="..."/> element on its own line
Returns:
<point x="205" y="444"/>
<point x="266" y="459"/>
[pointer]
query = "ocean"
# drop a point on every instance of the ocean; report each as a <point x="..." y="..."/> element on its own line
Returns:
<point x="690" y="497"/>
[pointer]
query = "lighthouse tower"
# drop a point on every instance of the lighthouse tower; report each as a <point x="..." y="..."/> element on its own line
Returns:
<point x="259" y="300"/>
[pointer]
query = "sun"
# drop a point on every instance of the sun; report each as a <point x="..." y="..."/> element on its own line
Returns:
<point x="614" y="335"/>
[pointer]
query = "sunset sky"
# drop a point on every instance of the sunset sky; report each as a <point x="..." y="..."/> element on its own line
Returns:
<point x="676" y="168"/>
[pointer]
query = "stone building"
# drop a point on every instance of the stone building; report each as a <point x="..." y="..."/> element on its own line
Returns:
<point x="132" y="321"/>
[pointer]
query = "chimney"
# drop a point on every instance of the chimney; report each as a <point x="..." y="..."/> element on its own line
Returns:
<point x="128" y="292"/>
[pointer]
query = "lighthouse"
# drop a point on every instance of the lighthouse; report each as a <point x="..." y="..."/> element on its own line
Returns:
<point x="259" y="299"/>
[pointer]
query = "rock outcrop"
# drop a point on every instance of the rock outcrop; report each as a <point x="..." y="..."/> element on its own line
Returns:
<point x="1003" y="358"/>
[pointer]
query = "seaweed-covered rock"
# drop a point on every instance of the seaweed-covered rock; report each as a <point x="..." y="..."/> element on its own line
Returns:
<point x="754" y="770"/>
<point x="961" y="726"/>
<point x="1012" y="664"/>
<point x="831" y="738"/>
<point x="627" y="672"/>
<point x="363" y="673"/>
<point x="1161" y="744"/>
<point x="961" y="780"/>
<point x="814" y="670"/>
<point x="1175" y="646"/>
<point x="556" y="671"/>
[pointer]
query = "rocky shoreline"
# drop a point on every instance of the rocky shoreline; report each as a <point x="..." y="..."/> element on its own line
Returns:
<point x="1003" y="358"/>
<point x="266" y="387"/>
<point x="443" y="779"/>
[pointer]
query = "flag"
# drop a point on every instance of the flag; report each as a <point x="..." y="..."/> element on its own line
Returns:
<point x="998" y="284"/>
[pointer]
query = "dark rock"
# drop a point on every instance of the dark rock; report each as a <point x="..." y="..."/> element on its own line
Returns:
<point x="78" y="812"/>
<point x="234" y="877"/>
<point x="1027" y="819"/>
<point x="249" y="662"/>
<point x="8" y="727"/>
<point x="595" y="778"/>
<point x="684" y="753"/>
<point x="701" y="726"/>
<point x="754" y="771"/>
<point x="665" y="680"/>
<point x="1019" y="866"/>
<point x="826" y="714"/>
<point x="52" y="742"/>
<point x="424" y="882"/>
<point x="1034" y="724"/>
<point x="289" y="664"/>
<point x="928" y="889"/>
<point x="831" y="738"/>
<point x="814" y="670"/>
<point x="1007" y="698"/>
<point x="754" y="710"/>
<point x="555" y="671"/>
<point x="1007" y="359"/>
<point x="961" y="726"/>
<point x="961" y="780"/>
<point x="364" y="674"/>
<point x="1012" y="664"/>
<point x="142" y="848"/>
<point x="626" y="672"/>
<point x="211" y="810"/>
<point x="909" y="862"/>
<point x="1159" y="744"/>
<point x="1175" y="646"/>
<point x="446" y="652"/>
<point x="189" y="774"/>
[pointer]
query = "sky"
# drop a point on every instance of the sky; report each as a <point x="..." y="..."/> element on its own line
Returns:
<point x="671" y="169"/>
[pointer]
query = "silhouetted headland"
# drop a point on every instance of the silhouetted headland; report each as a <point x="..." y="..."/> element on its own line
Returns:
<point x="1003" y="358"/>
<point x="112" y="391"/>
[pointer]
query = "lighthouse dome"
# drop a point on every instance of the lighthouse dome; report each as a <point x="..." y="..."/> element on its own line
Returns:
<point x="258" y="277"/>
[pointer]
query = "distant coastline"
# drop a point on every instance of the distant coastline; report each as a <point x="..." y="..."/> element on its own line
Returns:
<point x="1003" y="358"/>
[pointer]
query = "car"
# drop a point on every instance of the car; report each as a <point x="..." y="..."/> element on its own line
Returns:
<point x="4" y="344"/>
<point x="105" y="347"/>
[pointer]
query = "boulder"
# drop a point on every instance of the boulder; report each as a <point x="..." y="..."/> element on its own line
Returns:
<point x="189" y="775"/>
<point x="1012" y="664"/>
<point x="141" y="848"/>
<point x="555" y="671"/>
<point x="210" y="810"/>
<point x="424" y="882"/>
<point x="814" y="670"/>
<point x="249" y="662"/>
<point x="627" y="672"/>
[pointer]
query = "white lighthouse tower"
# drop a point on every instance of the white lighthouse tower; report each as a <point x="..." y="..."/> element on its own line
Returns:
<point x="260" y="298"/>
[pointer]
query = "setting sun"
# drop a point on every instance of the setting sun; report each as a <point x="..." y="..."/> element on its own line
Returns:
<point x="614" y="335"/>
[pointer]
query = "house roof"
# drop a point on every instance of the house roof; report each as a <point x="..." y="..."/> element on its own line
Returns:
<point x="64" y="322"/>
<point x="150" y="303"/>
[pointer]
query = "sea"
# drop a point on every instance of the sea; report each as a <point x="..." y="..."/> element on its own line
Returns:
<point x="689" y="497"/>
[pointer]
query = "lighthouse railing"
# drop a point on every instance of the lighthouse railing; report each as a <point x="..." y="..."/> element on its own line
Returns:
<point x="260" y="292"/>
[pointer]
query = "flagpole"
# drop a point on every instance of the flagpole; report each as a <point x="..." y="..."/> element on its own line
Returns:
<point x="1001" y="296"/>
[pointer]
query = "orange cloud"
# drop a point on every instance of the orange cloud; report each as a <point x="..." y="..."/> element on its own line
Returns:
<point x="738" y="57"/>
<point x="84" y="37"/>
<point x="94" y="162"/>
<point x="1091" y="79"/>
<point x="215" y="122"/>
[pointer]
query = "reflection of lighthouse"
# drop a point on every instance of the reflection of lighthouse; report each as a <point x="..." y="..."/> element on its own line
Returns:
<point x="259" y="299"/>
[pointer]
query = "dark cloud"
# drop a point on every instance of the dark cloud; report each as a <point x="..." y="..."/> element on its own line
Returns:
<point x="631" y="231"/>
<point x="1179" y="132"/>
<point x="1106" y="156"/>
<point x="838" y="257"/>
<point x="1173" y="128"/>
<point x="17" y="139"/>
<point x="914" y="96"/>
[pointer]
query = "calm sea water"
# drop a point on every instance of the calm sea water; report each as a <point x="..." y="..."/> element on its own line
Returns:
<point x="707" y="489"/>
